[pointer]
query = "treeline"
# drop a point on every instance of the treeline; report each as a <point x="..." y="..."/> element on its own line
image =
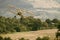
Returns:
<point x="9" y="25"/>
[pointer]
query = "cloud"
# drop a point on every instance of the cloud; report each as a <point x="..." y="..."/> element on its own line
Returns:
<point x="50" y="10"/>
<point x="44" y="3"/>
<point x="46" y="8"/>
<point x="17" y="3"/>
<point x="58" y="1"/>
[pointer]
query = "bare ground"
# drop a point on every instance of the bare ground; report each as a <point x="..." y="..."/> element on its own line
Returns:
<point x="32" y="35"/>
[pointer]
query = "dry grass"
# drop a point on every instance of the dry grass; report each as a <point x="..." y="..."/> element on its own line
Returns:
<point x="32" y="35"/>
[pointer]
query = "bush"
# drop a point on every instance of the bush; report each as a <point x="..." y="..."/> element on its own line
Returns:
<point x="22" y="39"/>
<point x="38" y="38"/>
<point x="7" y="38"/>
<point x="1" y="38"/>
<point x="45" y="38"/>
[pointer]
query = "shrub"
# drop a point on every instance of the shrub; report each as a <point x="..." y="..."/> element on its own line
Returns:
<point x="22" y="39"/>
<point x="38" y="38"/>
<point x="7" y="38"/>
<point x="45" y="38"/>
<point x="1" y="38"/>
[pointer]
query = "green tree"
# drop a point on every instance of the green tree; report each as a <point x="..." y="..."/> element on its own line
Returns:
<point x="45" y="24"/>
<point x="55" y="20"/>
<point x="48" y="21"/>
<point x="58" y="27"/>
<point x="17" y="29"/>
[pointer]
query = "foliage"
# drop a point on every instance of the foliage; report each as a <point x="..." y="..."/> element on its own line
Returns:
<point x="38" y="38"/>
<point x="45" y="38"/>
<point x="48" y="21"/>
<point x="9" y="25"/>
<point x="7" y="38"/>
<point x="22" y="39"/>
<point x="1" y="38"/>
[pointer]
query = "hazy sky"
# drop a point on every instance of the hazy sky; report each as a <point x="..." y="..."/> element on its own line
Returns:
<point x="47" y="8"/>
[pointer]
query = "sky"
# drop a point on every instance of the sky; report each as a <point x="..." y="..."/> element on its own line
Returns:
<point x="41" y="8"/>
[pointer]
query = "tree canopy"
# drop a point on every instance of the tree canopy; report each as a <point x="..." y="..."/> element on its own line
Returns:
<point x="9" y="25"/>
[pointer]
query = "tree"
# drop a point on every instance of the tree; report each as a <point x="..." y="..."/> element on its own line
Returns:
<point x="55" y="20"/>
<point x="17" y="29"/>
<point x="48" y="21"/>
<point x="58" y="27"/>
<point x="45" y="24"/>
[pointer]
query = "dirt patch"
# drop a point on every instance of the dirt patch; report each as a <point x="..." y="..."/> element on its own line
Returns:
<point x="32" y="35"/>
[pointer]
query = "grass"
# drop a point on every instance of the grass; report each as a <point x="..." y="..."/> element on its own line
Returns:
<point x="32" y="35"/>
